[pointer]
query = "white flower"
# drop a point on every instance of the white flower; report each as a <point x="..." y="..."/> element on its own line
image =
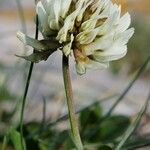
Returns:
<point x="93" y="30"/>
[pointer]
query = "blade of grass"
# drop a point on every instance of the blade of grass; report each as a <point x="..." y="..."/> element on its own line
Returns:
<point x="24" y="102"/>
<point x="147" y="144"/>
<point x="44" y="112"/>
<point x="43" y="122"/>
<point x="24" y="30"/>
<point x="140" y="142"/>
<point x="133" y="125"/>
<point x="4" y="143"/>
<point x="26" y="89"/>
<point x="141" y="70"/>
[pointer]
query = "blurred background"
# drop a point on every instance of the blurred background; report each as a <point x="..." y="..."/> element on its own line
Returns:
<point x="47" y="80"/>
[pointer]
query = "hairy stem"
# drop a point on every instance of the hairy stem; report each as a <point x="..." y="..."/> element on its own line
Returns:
<point x="71" y="109"/>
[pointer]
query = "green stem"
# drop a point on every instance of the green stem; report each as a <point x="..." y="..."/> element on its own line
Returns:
<point x="26" y="91"/>
<point x="71" y="109"/>
<point x="24" y="102"/>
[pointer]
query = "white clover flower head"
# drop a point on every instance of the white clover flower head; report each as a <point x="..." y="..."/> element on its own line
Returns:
<point x="94" y="30"/>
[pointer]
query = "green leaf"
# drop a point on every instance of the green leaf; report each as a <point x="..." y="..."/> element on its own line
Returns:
<point x="15" y="137"/>
<point x="90" y="115"/>
<point x="104" y="147"/>
<point x="37" y="56"/>
<point x="113" y="127"/>
<point x="106" y="131"/>
<point x="64" y="139"/>
<point x="39" y="46"/>
<point x="47" y="138"/>
<point x="32" y="127"/>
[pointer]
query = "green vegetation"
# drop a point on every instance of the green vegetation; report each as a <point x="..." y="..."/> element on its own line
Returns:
<point x="98" y="130"/>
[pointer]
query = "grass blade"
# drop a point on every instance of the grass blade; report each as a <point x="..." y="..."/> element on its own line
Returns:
<point x="26" y="89"/>
<point x="134" y="125"/>
<point x="128" y="87"/>
<point x="140" y="142"/>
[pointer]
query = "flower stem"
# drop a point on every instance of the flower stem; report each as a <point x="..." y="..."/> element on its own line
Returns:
<point x="71" y="109"/>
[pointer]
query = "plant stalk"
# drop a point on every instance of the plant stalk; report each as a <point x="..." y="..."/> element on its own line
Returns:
<point x="26" y="91"/>
<point x="24" y="102"/>
<point x="70" y="104"/>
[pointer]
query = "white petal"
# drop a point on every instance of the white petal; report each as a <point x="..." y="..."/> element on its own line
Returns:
<point x="123" y="38"/>
<point x="86" y="37"/>
<point x="57" y="11"/>
<point x="79" y="3"/>
<point x="65" y="7"/>
<point x="69" y="24"/>
<point x="124" y="23"/>
<point x="80" y="16"/>
<point x="43" y="19"/>
<point x="90" y="64"/>
<point x="47" y="4"/>
<point x="101" y="5"/>
<point x="91" y="23"/>
<point x="101" y="43"/>
<point x="114" y="53"/>
<point x="68" y="46"/>
<point x="109" y="25"/>
<point x="80" y="68"/>
<point x="96" y="65"/>
<point x="106" y="10"/>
